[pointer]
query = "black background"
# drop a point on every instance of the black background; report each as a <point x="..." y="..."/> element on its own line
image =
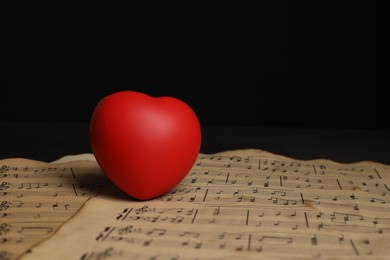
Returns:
<point x="273" y="63"/>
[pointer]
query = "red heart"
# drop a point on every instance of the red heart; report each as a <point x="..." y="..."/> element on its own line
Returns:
<point x="144" y="145"/>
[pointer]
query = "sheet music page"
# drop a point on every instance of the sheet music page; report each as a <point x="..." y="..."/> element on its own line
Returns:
<point x="38" y="197"/>
<point x="243" y="204"/>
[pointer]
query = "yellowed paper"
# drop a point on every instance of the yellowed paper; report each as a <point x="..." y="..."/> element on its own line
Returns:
<point x="38" y="197"/>
<point x="244" y="204"/>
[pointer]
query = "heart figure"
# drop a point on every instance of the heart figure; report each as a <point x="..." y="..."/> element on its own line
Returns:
<point x="145" y="145"/>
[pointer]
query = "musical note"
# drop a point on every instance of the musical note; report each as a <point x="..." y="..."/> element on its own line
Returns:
<point x="314" y="240"/>
<point x="35" y="230"/>
<point x="25" y="186"/>
<point x="190" y="234"/>
<point x="276" y="240"/>
<point x="106" y="254"/>
<point x="377" y="200"/>
<point x="156" y="232"/>
<point x="147" y="242"/>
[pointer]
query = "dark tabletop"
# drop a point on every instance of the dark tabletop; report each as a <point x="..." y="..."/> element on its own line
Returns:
<point x="48" y="141"/>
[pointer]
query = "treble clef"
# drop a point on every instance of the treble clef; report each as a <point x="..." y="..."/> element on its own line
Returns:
<point x="4" y="205"/>
<point x="4" y="229"/>
<point x="4" y="168"/>
<point x="4" y="185"/>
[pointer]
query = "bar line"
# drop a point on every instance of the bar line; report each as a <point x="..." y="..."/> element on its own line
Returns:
<point x="74" y="189"/>
<point x="307" y="221"/>
<point x="193" y="219"/>
<point x="354" y="247"/>
<point x="377" y="173"/>
<point x="338" y="182"/>
<point x="205" y="195"/>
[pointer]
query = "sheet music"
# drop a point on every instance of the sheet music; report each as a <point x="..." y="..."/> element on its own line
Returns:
<point x="37" y="197"/>
<point x="242" y="204"/>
